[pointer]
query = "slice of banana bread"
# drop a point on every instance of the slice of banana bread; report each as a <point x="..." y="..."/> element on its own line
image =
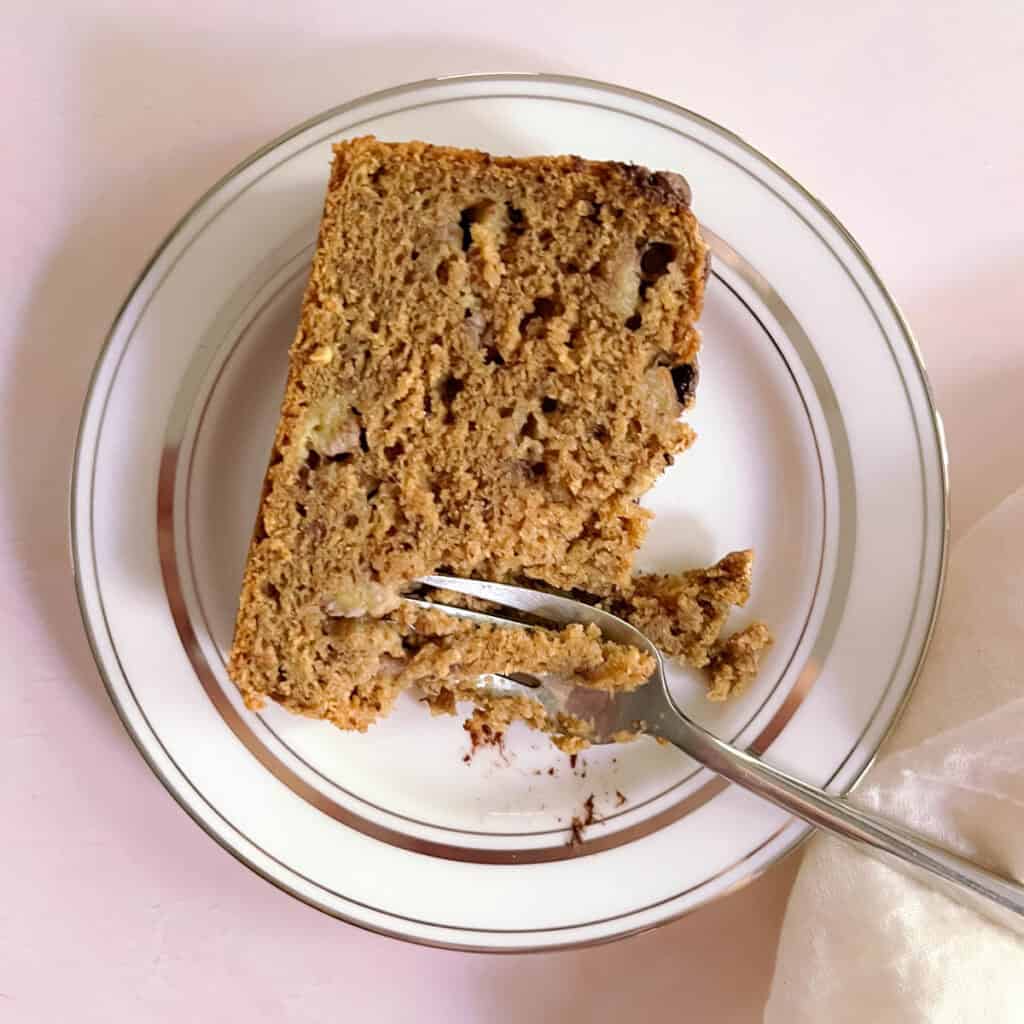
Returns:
<point x="491" y="363"/>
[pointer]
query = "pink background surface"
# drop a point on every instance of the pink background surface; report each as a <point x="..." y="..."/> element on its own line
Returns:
<point x="114" y="905"/>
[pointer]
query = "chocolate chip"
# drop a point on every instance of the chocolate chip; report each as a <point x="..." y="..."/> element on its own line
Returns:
<point x="465" y="226"/>
<point x="677" y="185"/>
<point x="451" y="387"/>
<point x="656" y="259"/>
<point x="684" y="379"/>
<point x="667" y="185"/>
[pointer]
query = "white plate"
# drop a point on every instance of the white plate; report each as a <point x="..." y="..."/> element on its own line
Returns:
<point x="819" y="446"/>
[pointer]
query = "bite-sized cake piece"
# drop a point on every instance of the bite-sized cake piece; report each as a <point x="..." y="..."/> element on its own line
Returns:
<point x="683" y="614"/>
<point x="491" y="363"/>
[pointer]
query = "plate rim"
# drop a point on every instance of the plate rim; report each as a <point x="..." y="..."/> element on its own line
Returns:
<point x="913" y="348"/>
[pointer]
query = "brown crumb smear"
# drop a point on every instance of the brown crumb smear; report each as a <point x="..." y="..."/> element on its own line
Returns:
<point x="581" y="821"/>
<point x="487" y="394"/>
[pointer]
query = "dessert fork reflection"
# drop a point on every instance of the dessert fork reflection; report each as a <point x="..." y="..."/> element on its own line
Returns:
<point x="650" y="709"/>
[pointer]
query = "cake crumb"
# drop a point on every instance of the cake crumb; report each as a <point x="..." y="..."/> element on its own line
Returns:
<point x="581" y="821"/>
<point x="735" y="660"/>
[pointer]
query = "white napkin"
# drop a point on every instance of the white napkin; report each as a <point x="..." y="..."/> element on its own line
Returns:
<point x="862" y="942"/>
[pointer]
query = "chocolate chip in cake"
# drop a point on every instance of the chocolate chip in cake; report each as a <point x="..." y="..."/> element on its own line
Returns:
<point x="684" y="378"/>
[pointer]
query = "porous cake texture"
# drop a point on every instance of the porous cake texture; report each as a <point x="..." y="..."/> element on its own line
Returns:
<point x="489" y="371"/>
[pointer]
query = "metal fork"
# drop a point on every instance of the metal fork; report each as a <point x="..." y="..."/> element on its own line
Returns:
<point x="652" y="708"/>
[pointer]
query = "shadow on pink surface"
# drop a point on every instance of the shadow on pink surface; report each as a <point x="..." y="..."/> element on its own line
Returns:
<point x="980" y="404"/>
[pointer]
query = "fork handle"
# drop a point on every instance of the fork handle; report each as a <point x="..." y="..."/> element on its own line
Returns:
<point x="968" y="883"/>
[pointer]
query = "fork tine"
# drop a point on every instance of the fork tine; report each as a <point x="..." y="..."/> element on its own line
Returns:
<point x="559" y="610"/>
<point x="549" y="607"/>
